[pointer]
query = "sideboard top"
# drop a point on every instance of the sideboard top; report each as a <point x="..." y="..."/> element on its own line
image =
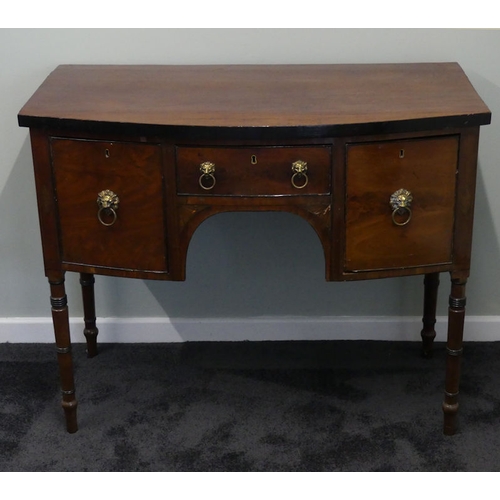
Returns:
<point x="325" y="98"/>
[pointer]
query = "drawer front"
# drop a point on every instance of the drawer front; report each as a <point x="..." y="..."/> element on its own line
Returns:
<point x="262" y="171"/>
<point x="129" y="235"/>
<point x="381" y="236"/>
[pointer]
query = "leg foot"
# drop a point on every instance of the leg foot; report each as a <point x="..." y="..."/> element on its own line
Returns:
<point x="69" y="408"/>
<point x="450" y="412"/>
<point x="90" y="331"/>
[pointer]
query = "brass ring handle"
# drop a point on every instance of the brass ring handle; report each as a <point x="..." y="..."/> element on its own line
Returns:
<point x="400" y="202"/>
<point x="207" y="169"/>
<point x="299" y="175"/>
<point x="107" y="201"/>
<point x="299" y="169"/>
<point x="400" y="211"/>
<point x="108" y="210"/>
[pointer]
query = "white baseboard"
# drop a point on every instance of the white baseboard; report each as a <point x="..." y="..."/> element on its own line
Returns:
<point x="132" y="330"/>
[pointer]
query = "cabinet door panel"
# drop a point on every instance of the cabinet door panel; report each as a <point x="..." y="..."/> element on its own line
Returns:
<point x="427" y="168"/>
<point x="136" y="239"/>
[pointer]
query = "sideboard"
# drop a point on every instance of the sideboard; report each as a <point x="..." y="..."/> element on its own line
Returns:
<point x="380" y="159"/>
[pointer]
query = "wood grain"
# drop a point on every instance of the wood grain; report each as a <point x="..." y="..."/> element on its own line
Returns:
<point x="255" y="96"/>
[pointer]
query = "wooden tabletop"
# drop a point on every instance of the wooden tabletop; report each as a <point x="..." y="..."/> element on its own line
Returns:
<point x="329" y="97"/>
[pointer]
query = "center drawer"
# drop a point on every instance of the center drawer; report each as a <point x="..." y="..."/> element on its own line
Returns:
<point x="254" y="171"/>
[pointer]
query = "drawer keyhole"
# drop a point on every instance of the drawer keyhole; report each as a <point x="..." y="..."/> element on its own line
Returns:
<point x="253" y="160"/>
<point x="401" y="153"/>
<point x="106" y="153"/>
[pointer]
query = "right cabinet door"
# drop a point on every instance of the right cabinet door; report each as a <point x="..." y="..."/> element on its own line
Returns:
<point x="400" y="203"/>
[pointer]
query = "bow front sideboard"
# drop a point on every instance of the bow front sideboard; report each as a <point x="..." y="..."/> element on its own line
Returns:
<point x="380" y="159"/>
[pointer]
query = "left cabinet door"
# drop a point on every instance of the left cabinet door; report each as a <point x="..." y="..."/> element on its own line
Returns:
<point x="110" y="204"/>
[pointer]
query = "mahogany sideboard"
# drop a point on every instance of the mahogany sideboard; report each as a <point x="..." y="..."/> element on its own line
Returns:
<point x="380" y="159"/>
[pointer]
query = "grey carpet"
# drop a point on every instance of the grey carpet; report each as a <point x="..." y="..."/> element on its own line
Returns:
<point x="266" y="406"/>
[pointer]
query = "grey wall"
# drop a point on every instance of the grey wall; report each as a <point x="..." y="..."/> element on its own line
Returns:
<point x="239" y="265"/>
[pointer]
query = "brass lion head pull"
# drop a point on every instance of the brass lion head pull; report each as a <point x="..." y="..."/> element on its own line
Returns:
<point x="207" y="177"/>
<point x="401" y="201"/>
<point x="299" y="177"/>
<point x="107" y="201"/>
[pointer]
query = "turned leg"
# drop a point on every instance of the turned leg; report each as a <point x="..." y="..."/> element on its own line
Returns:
<point x="428" y="333"/>
<point x="90" y="331"/>
<point x="60" y="320"/>
<point x="456" y="317"/>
